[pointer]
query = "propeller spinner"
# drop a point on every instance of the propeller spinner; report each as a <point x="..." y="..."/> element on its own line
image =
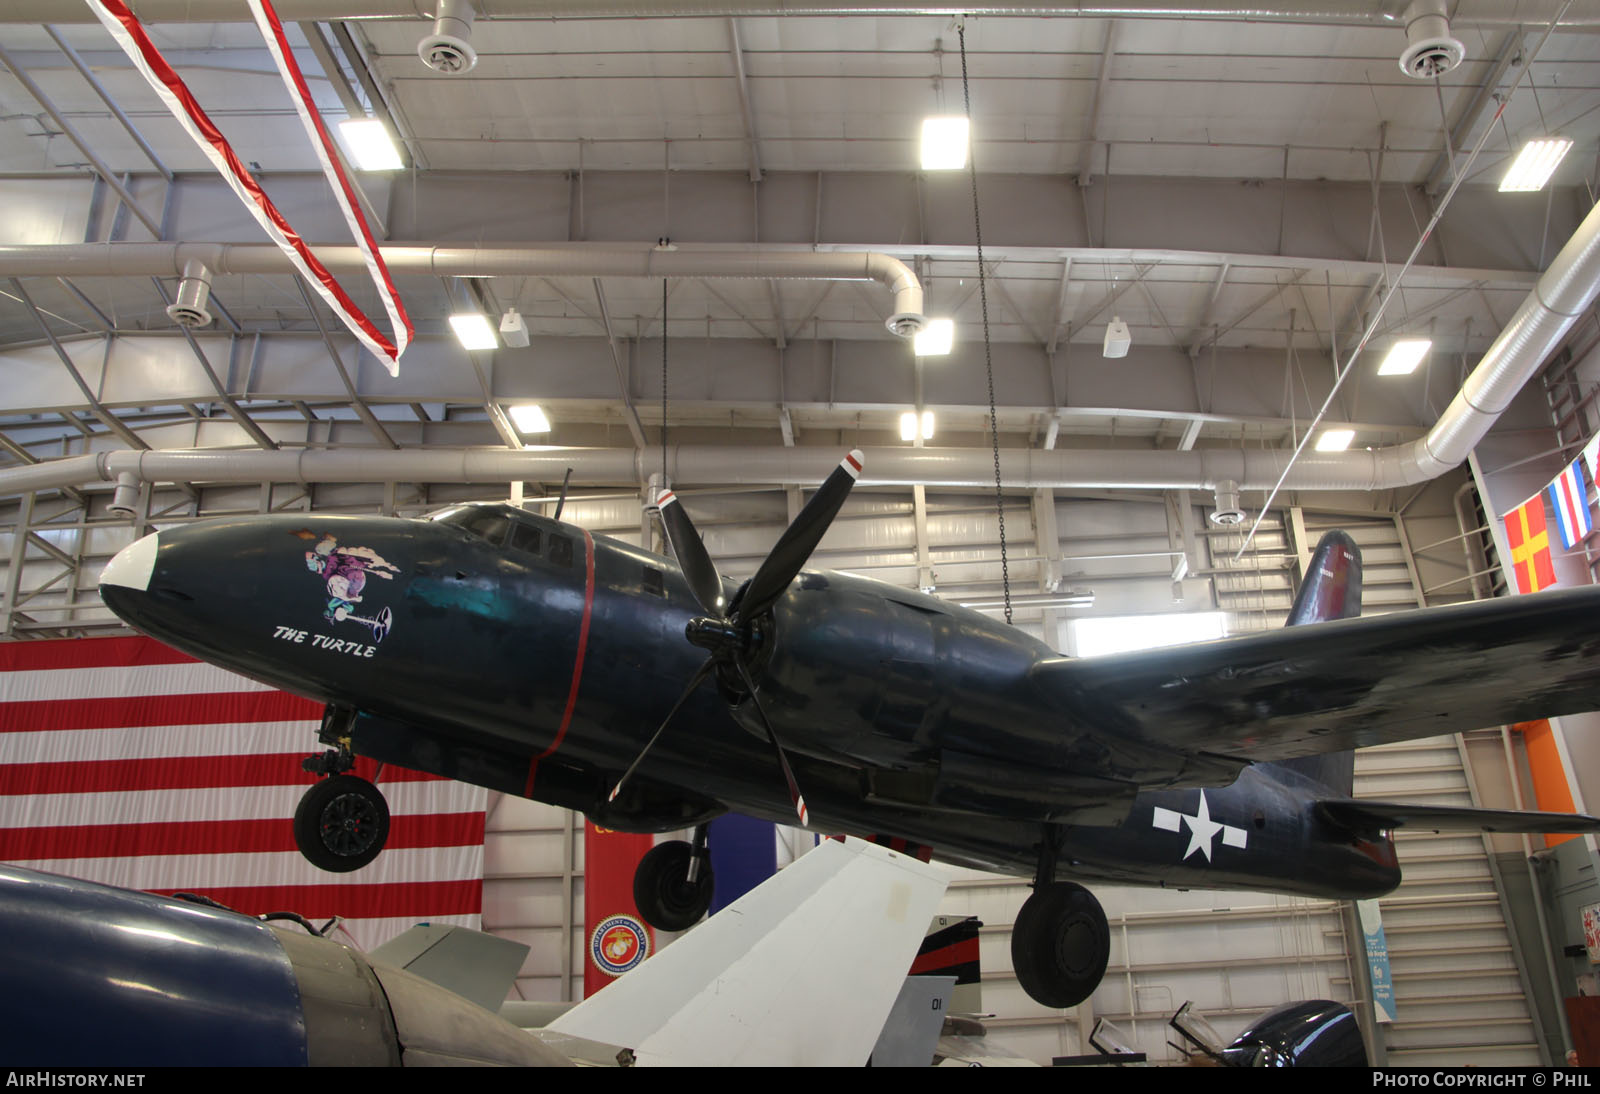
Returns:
<point x="726" y="630"/>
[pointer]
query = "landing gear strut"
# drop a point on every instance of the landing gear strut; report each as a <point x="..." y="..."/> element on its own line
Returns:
<point x="673" y="884"/>
<point x="1061" y="941"/>
<point x="342" y="822"/>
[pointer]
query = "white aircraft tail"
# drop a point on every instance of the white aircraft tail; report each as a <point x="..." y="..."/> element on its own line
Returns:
<point x="801" y="970"/>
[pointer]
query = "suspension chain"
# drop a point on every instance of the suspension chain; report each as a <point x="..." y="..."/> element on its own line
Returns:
<point x="983" y="298"/>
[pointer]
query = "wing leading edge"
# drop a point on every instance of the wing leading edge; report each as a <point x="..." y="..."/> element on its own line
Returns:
<point x="1346" y="684"/>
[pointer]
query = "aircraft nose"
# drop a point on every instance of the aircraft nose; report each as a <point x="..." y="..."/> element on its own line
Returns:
<point x="131" y="567"/>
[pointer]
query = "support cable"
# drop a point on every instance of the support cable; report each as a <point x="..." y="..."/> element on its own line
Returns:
<point x="983" y="297"/>
<point x="1377" y="316"/>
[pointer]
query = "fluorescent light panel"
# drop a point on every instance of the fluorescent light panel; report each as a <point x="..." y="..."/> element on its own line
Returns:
<point x="934" y="339"/>
<point x="1335" y="440"/>
<point x="370" y="145"/>
<point x="1535" y="164"/>
<point x="944" y="143"/>
<point x="473" y="330"/>
<point x="908" y="426"/>
<point x="1404" y="356"/>
<point x="529" y="418"/>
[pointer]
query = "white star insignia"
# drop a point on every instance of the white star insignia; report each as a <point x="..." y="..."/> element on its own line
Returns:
<point x="1202" y="829"/>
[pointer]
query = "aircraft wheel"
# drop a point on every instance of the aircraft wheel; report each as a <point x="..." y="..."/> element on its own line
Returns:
<point x="341" y="823"/>
<point x="662" y="891"/>
<point x="1060" y="944"/>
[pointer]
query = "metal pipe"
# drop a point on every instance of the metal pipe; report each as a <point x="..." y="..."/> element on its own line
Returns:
<point x="168" y="259"/>
<point x="1342" y="12"/>
<point x="1556" y="302"/>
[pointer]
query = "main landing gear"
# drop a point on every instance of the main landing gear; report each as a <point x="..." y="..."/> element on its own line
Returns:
<point x="342" y="822"/>
<point x="673" y="883"/>
<point x="1061" y="941"/>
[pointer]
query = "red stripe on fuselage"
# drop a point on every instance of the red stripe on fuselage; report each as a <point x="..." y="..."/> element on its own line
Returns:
<point x="577" y="662"/>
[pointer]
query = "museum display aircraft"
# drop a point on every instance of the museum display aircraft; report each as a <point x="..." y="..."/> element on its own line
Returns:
<point x="519" y="653"/>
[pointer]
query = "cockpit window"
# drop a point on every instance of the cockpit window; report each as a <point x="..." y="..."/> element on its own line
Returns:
<point x="491" y="524"/>
<point x="525" y="537"/>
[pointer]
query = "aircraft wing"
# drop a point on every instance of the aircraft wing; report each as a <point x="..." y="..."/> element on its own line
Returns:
<point x="1327" y="687"/>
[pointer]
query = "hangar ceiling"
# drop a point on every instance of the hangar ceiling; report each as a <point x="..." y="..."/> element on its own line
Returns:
<point x="1242" y="187"/>
<point x="1237" y="190"/>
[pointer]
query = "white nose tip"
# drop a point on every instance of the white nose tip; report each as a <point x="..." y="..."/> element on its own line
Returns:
<point x="132" y="566"/>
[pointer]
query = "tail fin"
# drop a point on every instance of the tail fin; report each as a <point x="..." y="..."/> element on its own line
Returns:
<point x="1332" y="586"/>
<point x="1331" y="590"/>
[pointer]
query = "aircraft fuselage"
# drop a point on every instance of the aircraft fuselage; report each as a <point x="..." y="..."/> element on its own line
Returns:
<point x="538" y="660"/>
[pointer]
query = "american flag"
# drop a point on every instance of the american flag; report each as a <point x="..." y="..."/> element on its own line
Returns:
<point x="127" y="763"/>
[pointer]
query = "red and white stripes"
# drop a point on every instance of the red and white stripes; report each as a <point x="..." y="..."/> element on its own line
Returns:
<point x="124" y="762"/>
<point x="125" y="28"/>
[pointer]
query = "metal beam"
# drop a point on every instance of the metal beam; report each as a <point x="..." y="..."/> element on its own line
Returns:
<point x="111" y="104"/>
<point x="630" y="415"/>
<point x="1092" y="140"/>
<point x="746" y="109"/>
<point x="108" y="419"/>
<point x="100" y="167"/>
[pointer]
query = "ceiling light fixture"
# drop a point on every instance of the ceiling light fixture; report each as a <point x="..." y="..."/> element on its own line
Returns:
<point x="473" y="331"/>
<point x="1535" y="164"/>
<point x="944" y="143"/>
<point x="1118" y="338"/>
<point x="1335" y="440"/>
<point x="369" y="144"/>
<point x="529" y="418"/>
<point x="934" y="339"/>
<point x="513" y="331"/>
<point x="1404" y="356"/>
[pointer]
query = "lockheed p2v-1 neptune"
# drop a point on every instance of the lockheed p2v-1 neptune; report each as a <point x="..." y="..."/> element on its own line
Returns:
<point x="528" y="656"/>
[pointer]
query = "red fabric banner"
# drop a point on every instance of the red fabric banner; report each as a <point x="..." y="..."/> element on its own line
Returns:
<point x="617" y="936"/>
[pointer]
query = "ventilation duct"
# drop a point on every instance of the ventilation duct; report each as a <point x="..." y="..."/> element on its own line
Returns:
<point x="448" y="49"/>
<point x="1430" y="50"/>
<point x="194" y="292"/>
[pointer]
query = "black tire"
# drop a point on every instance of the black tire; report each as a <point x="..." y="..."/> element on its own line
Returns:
<point x="662" y="891"/>
<point x="341" y="823"/>
<point x="1060" y="944"/>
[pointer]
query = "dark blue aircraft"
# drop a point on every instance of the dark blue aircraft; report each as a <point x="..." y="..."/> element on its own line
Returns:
<point x="525" y="655"/>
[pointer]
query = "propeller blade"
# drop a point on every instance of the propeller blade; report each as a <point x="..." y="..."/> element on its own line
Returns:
<point x="696" y="564"/>
<point x="800" y="539"/>
<point x="796" y="798"/>
<point x="695" y="681"/>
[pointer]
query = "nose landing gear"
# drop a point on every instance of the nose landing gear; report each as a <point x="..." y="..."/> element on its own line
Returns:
<point x="341" y="823"/>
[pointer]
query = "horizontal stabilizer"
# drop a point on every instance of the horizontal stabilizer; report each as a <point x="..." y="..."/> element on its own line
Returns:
<point x="1374" y="816"/>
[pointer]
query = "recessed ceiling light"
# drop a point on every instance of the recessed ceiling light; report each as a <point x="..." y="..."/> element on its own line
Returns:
<point x="1335" y="440"/>
<point x="529" y="418"/>
<point x="370" y="145"/>
<point x="927" y="425"/>
<point x="908" y="426"/>
<point x="473" y="330"/>
<point x="1535" y="164"/>
<point x="935" y="339"/>
<point x="1404" y="356"/>
<point x="944" y="143"/>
